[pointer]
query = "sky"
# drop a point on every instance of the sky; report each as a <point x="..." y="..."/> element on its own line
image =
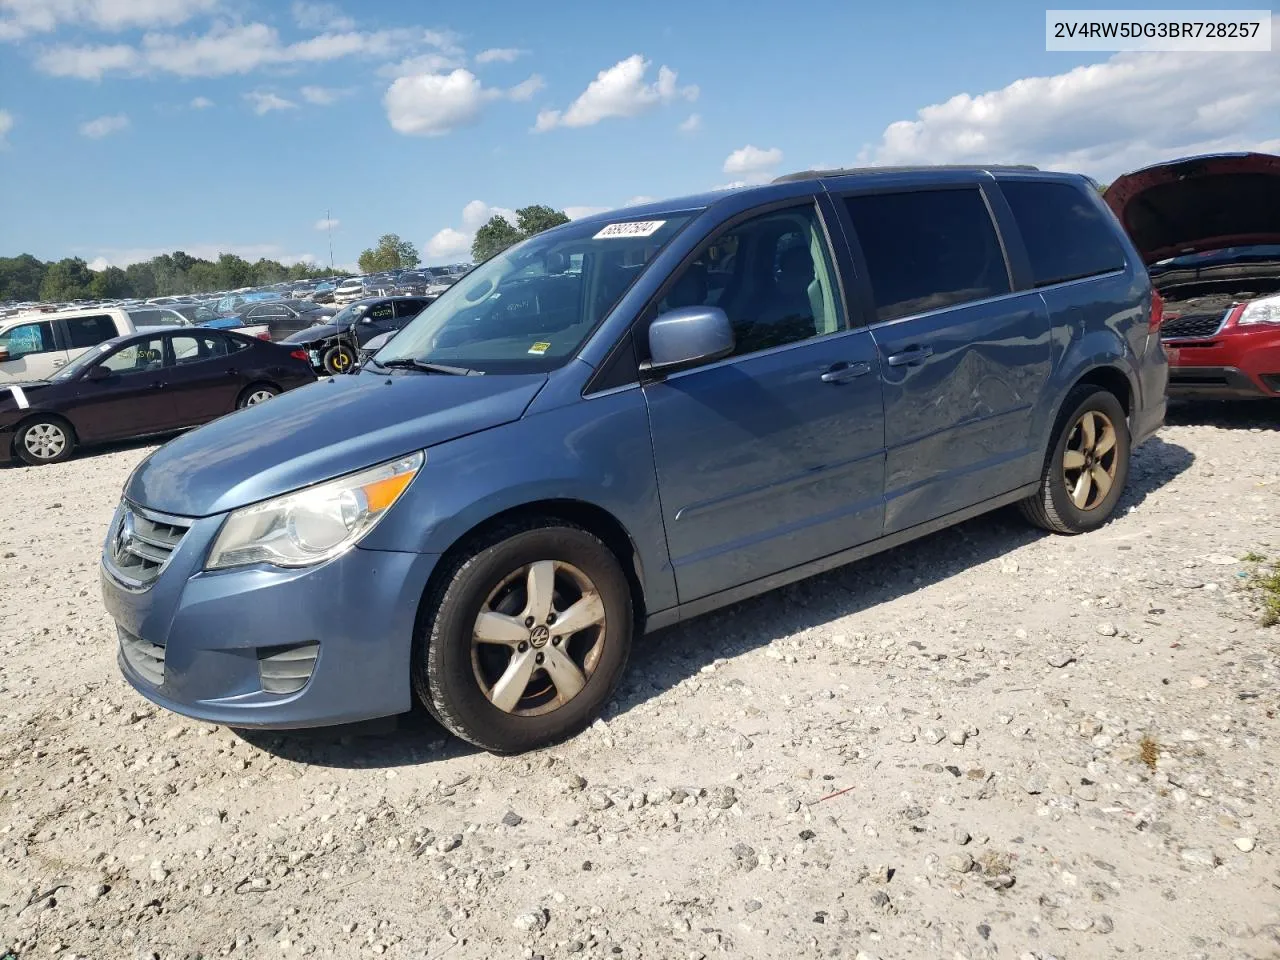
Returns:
<point x="130" y="128"/>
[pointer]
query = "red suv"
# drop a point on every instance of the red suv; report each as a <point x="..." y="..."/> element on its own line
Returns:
<point x="1209" y="230"/>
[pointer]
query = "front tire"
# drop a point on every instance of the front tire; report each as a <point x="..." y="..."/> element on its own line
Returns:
<point x="1087" y="466"/>
<point x="44" y="440"/>
<point x="525" y="638"/>
<point x="255" y="394"/>
<point x="338" y="360"/>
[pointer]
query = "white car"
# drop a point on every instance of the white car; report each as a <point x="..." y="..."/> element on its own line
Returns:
<point x="349" y="291"/>
<point x="36" y="345"/>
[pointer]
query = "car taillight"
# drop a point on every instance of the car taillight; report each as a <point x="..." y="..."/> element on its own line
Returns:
<point x="264" y="336"/>
<point x="1157" y="312"/>
<point x="299" y="354"/>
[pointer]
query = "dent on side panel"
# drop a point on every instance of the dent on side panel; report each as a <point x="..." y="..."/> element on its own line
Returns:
<point x="596" y="451"/>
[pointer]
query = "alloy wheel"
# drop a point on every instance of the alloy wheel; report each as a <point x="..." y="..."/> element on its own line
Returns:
<point x="1089" y="461"/>
<point x="45" y="441"/>
<point x="538" y="638"/>
<point x="257" y="397"/>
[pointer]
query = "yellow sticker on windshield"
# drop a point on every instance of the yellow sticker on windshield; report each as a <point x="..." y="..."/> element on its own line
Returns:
<point x="540" y="348"/>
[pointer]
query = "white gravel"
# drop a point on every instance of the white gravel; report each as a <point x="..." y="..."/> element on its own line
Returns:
<point x="990" y="743"/>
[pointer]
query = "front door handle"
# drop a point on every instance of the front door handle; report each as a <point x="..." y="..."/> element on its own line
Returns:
<point x="910" y="356"/>
<point x="157" y="385"/>
<point x="843" y="372"/>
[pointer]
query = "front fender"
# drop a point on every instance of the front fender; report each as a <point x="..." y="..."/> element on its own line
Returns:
<point x="596" y="451"/>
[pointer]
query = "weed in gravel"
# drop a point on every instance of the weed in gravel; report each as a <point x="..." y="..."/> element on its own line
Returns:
<point x="1150" y="750"/>
<point x="1267" y="583"/>
<point x="1252" y="557"/>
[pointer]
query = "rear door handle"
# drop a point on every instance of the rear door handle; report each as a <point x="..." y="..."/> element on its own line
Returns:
<point x="910" y="356"/>
<point x="843" y="372"/>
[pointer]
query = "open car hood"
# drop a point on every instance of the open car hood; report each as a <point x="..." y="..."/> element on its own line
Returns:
<point x="1199" y="203"/>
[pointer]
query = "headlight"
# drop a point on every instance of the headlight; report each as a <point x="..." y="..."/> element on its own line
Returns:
<point x="313" y="525"/>
<point x="1266" y="310"/>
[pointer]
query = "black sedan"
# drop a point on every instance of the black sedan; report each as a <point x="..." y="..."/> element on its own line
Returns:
<point x="155" y="382"/>
<point x="281" y="317"/>
<point x="333" y="345"/>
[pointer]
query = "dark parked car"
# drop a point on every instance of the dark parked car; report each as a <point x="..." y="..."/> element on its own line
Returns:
<point x="370" y="347"/>
<point x="154" y="382"/>
<point x="280" y="317"/>
<point x="631" y="420"/>
<point x="334" y="345"/>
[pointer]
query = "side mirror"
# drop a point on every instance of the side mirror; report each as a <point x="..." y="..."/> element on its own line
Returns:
<point x="97" y="372"/>
<point x="6" y="355"/>
<point x="686" y="337"/>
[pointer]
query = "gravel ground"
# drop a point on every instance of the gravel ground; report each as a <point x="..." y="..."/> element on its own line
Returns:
<point x="990" y="743"/>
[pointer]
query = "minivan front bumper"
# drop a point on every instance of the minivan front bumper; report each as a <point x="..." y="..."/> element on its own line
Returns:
<point x="214" y="645"/>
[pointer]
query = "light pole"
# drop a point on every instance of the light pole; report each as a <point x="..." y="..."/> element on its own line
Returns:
<point x="328" y="220"/>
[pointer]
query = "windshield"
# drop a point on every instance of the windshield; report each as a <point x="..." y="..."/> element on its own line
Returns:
<point x="348" y="314"/>
<point x="531" y="307"/>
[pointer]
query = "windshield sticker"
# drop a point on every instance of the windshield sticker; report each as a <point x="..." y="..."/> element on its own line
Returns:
<point x="539" y="348"/>
<point x="635" y="228"/>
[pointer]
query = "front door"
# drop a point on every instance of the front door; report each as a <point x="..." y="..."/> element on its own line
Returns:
<point x="29" y="353"/>
<point x="963" y="359"/>
<point x="130" y="401"/>
<point x="775" y="455"/>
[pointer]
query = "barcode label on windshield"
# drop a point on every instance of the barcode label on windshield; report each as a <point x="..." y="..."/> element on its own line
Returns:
<point x="636" y="228"/>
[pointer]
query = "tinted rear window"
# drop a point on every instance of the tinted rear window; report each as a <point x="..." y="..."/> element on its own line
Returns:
<point x="928" y="249"/>
<point x="1067" y="236"/>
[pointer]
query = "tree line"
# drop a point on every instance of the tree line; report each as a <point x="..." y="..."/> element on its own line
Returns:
<point x="25" y="278"/>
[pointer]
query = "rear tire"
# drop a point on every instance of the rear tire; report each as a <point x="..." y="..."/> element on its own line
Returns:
<point x="255" y="394"/>
<point x="44" y="439"/>
<point x="488" y="662"/>
<point x="338" y="360"/>
<point x="1087" y="464"/>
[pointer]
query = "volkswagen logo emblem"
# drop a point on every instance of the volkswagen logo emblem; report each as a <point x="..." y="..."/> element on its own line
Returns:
<point x="538" y="637"/>
<point x="124" y="536"/>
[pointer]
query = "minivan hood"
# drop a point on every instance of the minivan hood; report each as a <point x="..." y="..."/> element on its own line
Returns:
<point x="1199" y="203"/>
<point x="321" y="431"/>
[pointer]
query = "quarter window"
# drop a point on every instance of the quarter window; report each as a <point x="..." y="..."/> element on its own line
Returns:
<point x="928" y="249"/>
<point x="1067" y="235"/>
<point x="90" y="331"/>
<point x="771" y="275"/>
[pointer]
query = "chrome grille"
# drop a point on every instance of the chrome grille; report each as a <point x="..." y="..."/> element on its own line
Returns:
<point x="1191" y="326"/>
<point x="287" y="669"/>
<point x="145" y="657"/>
<point x="141" y="543"/>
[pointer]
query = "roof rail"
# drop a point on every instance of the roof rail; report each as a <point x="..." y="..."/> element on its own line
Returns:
<point x="850" y="171"/>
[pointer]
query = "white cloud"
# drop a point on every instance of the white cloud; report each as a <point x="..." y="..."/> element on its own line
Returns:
<point x="452" y="243"/>
<point x="6" y="124"/>
<point x="498" y="55"/>
<point x="1104" y="119"/>
<point x="619" y="91"/>
<point x="104" y="126"/>
<point x="432" y="104"/>
<point x="577" y="213"/>
<point x="264" y="102"/>
<point x="422" y="63"/>
<point x="201" y="103"/>
<point x="327" y="224"/>
<point x="528" y="89"/>
<point x="752" y="163"/>
<point x="320" y="16"/>
<point x="322" y="96"/>
<point x="224" y="50"/>
<point x="103" y="257"/>
<point x="692" y="124"/>
<point x="21" y="18"/>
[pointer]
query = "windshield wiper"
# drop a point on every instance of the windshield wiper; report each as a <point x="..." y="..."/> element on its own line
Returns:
<point x="412" y="363"/>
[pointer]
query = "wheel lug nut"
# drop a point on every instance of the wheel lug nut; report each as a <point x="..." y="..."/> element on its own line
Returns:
<point x="522" y="647"/>
<point x="551" y="618"/>
<point x="555" y="641"/>
<point x="528" y="621"/>
<point x="540" y="658"/>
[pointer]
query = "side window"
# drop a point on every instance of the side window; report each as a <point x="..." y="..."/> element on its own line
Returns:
<point x="772" y="276"/>
<point x="28" y="338"/>
<point x="139" y="357"/>
<point x="146" y="318"/>
<point x="1066" y="234"/>
<point x="90" y="331"/>
<point x="409" y="308"/>
<point x="928" y="249"/>
<point x="192" y="348"/>
<point x="380" y="311"/>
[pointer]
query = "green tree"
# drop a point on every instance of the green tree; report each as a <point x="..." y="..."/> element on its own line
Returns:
<point x="68" y="279"/>
<point x="20" y="277"/>
<point x="110" y="284"/>
<point x="536" y="218"/>
<point x="498" y="234"/>
<point x="494" y="237"/>
<point x="202" y="277"/>
<point x="390" y="253"/>
<point x="142" y="279"/>
<point x="234" y="271"/>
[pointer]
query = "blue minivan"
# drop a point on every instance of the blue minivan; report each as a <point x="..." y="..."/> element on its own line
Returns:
<point x="631" y="420"/>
